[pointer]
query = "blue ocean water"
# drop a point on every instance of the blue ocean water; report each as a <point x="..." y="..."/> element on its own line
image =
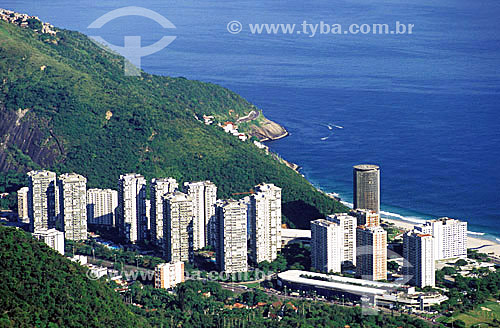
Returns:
<point x="422" y="106"/>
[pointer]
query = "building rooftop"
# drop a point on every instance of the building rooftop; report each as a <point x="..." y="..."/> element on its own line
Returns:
<point x="349" y="285"/>
<point x="366" y="167"/>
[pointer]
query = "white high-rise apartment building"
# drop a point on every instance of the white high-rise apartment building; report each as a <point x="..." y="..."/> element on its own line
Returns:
<point x="348" y="224"/>
<point x="419" y="264"/>
<point x="102" y="206"/>
<point x="43" y="200"/>
<point x="132" y="207"/>
<point x="450" y="237"/>
<point x="52" y="237"/>
<point x="204" y="195"/>
<point x="327" y="239"/>
<point x="179" y="216"/>
<point x="232" y="246"/>
<point x="371" y="252"/>
<point x="73" y="204"/>
<point x="159" y="188"/>
<point x="265" y="223"/>
<point x="22" y="204"/>
<point x="168" y="275"/>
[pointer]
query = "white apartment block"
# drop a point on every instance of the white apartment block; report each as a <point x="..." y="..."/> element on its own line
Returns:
<point x="132" y="207"/>
<point x="348" y="225"/>
<point x="327" y="239"/>
<point x="168" y="275"/>
<point x="52" y="237"/>
<point x="102" y="206"/>
<point x="231" y="249"/>
<point x="179" y="216"/>
<point x="22" y="204"/>
<point x="371" y="253"/>
<point x="265" y="223"/>
<point x="159" y="188"/>
<point x="43" y="200"/>
<point x="367" y="218"/>
<point x="450" y="237"/>
<point x="73" y="204"/>
<point x="419" y="264"/>
<point x="204" y="195"/>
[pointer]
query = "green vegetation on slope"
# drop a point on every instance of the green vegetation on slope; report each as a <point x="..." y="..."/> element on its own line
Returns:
<point x="95" y="121"/>
<point x="41" y="288"/>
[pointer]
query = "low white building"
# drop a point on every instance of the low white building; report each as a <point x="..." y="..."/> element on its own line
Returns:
<point x="168" y="275"/>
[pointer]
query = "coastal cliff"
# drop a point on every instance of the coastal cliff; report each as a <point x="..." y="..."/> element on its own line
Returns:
<point x="268" y="130"/>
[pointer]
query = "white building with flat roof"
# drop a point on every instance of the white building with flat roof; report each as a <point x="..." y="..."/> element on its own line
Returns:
<point x="348" y="225"/>
<point x="52" y="237"/>
<point x="231" y="248"/>
<point x="73" y="206"/>
<point x="450" y="237"/>
<point x="204" y="195"/>
<point x="179" y="216"/>
<point x="102" y="205"/>
<point x="159" y="188"/>
<point x="419" y="264"/>
<point x="43" y="200"/>
<point x="327" y="240"/>
<point x="264" y="215"/>
<point x="132" y="207"/>
<point x="168" y="275"/>
<point x="22" y="204"/>
<point x="371" y="252"/>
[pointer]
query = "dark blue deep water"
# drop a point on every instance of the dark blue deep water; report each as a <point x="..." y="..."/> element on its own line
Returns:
<point x="425" y="107"/>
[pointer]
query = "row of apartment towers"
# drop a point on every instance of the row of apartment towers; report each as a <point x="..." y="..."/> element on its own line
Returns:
<point x="179" y="222"/>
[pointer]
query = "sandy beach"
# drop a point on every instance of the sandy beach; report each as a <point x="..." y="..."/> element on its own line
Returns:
<point x="482" y="245"/>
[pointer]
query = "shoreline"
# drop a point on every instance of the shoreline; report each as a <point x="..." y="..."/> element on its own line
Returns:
<point x="482" y="245"/>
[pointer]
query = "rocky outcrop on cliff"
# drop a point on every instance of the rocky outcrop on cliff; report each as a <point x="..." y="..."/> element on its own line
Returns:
<point x="268" y="130"/>
<point x="26" y="141"/>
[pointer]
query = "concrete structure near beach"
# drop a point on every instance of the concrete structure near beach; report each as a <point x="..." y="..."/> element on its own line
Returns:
<point x="366" y="187"/>
<point x="450" y="237"/>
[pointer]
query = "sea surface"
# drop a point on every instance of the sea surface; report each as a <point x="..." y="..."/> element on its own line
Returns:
<point x="425" y="106"/>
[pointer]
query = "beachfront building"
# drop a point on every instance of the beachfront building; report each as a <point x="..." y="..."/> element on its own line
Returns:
<point x="371" y="249"/>
<point x="132" y="207"/>
<point x="22" y="205"/>
<point x="168" y="275"/>
<point x="419" y="264"/>
<point x="73" y="206"/>
<point x="231" y="248"/>
<point x="159" y="188"/>
<point x="366" y="187"/>
<point x="52" y="237"/>
<point x="204" y="195"/>
<point x="43" y="200"/>
<point x="327" y="241"/>
<point x="348" y="225"/>
<point x="264" y="215"/>
<point x="366" y="217"/>
<point x="450" y="237"/>
<point x="102" y="207"/>
<point x="177" y="233"/>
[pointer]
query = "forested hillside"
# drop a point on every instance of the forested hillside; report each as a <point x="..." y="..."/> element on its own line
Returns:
<point x="41" y="288"/>
<point x="66" y="105"/>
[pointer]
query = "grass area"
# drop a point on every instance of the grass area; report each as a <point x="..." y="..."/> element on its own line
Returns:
<point x="253" y="285"/>
<point x="484" y="314"/>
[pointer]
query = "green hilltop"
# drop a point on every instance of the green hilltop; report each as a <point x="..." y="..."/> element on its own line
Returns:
<point x="66" y="105"/>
